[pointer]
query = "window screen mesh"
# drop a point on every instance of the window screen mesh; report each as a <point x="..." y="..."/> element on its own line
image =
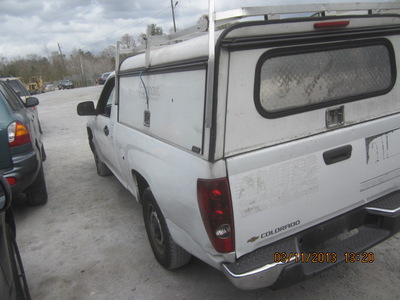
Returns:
<point x="303" y="79"/>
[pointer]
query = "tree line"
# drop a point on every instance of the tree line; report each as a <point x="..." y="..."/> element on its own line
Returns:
<point x="82" y="67"/>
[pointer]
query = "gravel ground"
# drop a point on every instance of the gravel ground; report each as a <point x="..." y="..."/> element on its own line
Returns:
<point x="89" y="241"/>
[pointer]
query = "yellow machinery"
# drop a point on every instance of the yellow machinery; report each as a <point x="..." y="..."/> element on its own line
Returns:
<point x="36" y="85"/>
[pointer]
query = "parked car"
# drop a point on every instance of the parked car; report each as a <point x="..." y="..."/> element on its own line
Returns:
<point x="49" y="87"/>
<point x="65" y="84"/>
<point x="103" y="77"/>
<point x="13" y="285"/>
<point x="21" y="148"/>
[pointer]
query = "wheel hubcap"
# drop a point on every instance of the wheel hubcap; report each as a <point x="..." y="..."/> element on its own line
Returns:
<point x="156" y="231"/>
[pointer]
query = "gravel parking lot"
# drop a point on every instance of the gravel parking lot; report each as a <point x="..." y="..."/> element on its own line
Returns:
<point x="89" y="240"/>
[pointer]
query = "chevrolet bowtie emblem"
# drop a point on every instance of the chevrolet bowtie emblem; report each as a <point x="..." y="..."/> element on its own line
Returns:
<point x="253" y="239"/>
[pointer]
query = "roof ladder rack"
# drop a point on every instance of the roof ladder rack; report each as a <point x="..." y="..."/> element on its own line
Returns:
<point x="269" y="12"/>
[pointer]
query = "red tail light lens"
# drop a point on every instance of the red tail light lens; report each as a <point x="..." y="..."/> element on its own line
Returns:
<point x="11" y="180"/>
<point x="216" y="211"/>
<point x="18" y="134"/>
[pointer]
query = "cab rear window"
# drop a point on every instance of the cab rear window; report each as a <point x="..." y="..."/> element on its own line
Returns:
<point x="294" y="80"/>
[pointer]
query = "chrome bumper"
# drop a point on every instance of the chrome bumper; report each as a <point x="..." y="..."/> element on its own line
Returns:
<point x="261" y="277"/>
<point x="352" y="232"/>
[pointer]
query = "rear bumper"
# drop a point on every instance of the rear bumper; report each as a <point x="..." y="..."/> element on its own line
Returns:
<point x="313" y="250"/>
<point x="25" y="169"/>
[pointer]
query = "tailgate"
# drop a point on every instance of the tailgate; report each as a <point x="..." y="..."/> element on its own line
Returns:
<point x="280" y="190"/>
<point x="312" y="131"/>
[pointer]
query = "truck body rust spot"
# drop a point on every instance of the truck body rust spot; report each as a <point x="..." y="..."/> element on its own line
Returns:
<point x="382" y="146"/>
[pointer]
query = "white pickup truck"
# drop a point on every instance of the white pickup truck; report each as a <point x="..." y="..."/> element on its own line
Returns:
<point x="269" y="149"/>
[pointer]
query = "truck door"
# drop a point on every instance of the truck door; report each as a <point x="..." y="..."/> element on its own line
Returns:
<point x="104" y="127"/>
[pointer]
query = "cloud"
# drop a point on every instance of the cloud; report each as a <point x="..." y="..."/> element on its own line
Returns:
<point x="23" y="8"/>
<point x="91" y="25"/>
<point x="29" y="25"/>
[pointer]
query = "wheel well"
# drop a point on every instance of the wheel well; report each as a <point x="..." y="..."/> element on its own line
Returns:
<point x="40" y="150"/>
<point x="141" y="183"/>
<point x="90" y="138"/>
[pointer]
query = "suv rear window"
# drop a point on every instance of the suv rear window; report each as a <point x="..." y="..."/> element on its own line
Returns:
<point x="13" y="100"/>
<point x="293" y="80"/>
<point x="17" y="86"/>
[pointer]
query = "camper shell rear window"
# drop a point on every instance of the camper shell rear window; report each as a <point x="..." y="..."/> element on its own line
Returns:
<point x="298" y="79"/>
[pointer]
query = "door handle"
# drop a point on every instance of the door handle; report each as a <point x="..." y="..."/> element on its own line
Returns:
<point x="106" y="130"/>
<point x="336" y="155"/>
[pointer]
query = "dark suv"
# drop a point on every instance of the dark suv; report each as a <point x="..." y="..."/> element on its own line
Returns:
<point x="21" y="146"/>
<point x="65" y="84"/>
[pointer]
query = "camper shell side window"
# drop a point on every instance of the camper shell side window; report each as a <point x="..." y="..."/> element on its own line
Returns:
<point x="298" y="79"/>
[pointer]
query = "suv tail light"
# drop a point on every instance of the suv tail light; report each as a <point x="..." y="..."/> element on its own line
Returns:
<point x="18" y="134"/>
<point x="11" y="180"/>
<point x="216" y="211"/>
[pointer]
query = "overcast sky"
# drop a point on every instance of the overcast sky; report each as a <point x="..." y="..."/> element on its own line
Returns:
<point x="31" y="26"/>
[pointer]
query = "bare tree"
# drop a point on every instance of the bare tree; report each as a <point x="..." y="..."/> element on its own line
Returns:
<point x="204" y="19"/>
<point x="80" y="66"/>
<point x="155" y="30"/>
<point x="127" y="41"/>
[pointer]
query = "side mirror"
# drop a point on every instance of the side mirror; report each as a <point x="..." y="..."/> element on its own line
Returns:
<point x="5" y="194"/>
<point x="86" y="109"/>
<point x="31" y="102"/>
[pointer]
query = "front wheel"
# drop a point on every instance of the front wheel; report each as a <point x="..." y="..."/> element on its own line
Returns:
<point x="167" y="252"/>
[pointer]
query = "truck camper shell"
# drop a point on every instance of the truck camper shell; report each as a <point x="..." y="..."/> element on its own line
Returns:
<point x="279" y="25"/>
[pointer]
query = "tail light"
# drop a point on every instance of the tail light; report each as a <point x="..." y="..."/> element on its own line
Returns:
<point x="18" y="134"/>
<point x="11" y="180"/>
<point x="216" y="211"/>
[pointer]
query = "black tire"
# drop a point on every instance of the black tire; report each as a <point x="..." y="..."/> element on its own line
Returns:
<point x="167" y="252"/>
<point x="36" y="194"/>
<point x="101" y="167"/>
<point x="21" y="285"/>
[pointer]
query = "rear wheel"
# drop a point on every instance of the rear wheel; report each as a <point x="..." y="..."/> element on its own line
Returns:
<point x="167" y="252"/>
<point x="36" y="194"/>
